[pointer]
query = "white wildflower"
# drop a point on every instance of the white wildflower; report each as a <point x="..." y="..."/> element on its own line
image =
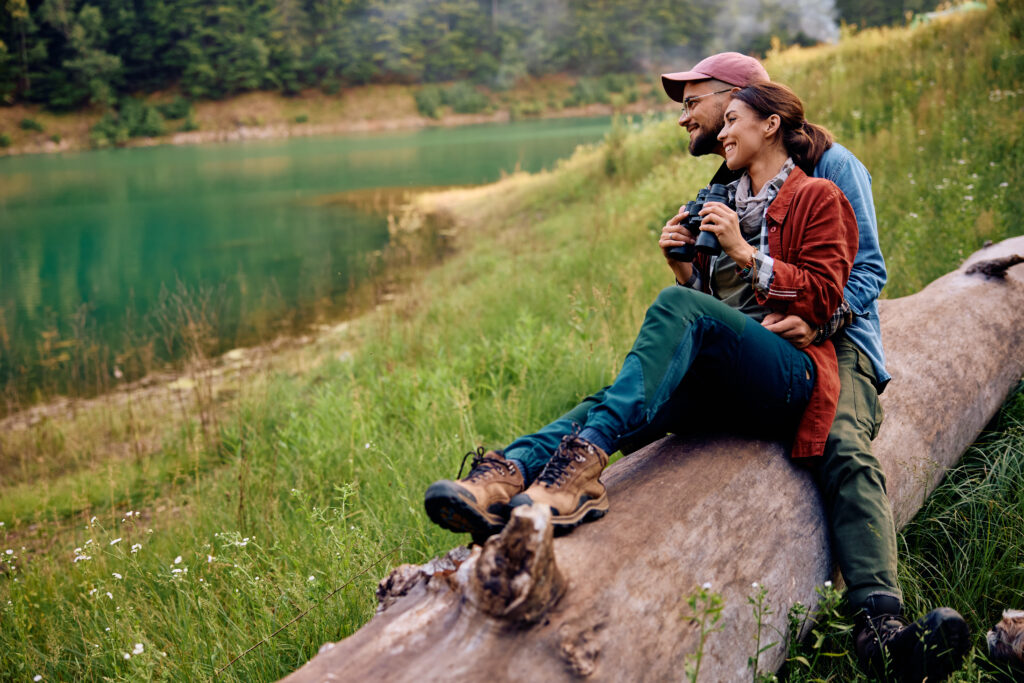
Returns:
<point x="754" y="585"/>
<point x="961" y="161"/>
<point x="110" y="595"/>
<point x="136" y="547"/>
<point x="9" y="551"/>
<point x="312" y="578"/>
<point x="37" y="677"/>
<point x="107" y="629"/>
<point x="127" y="656"/>
<point x="175" y="571"/>
<point x="707" y="586"/>
<point x="117" y="576"/>
<point x="913" y="215"/>
<point x="138" y="649"/>
<point x="115" y="541"/>
<point x="367" y="445"/>
<point x="92" y="520"/>
<point x="82" y="558"/>
<point x="209" y="559"/>
<point x="177" y="560"/>
<point x="88" y="543"/>
<point x="93" y="591"/>
<point x="1004" y="184"/>
<point x="968" y="198"/>
<point x="828" y="584"/>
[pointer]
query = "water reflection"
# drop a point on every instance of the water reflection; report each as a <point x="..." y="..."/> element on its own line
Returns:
<point x="94" y="247"/>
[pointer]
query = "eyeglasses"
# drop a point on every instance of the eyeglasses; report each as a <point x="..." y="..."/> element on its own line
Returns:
<point x="688" y="102"/>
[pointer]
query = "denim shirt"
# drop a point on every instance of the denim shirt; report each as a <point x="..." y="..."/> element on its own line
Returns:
<point x="868" y="276"/>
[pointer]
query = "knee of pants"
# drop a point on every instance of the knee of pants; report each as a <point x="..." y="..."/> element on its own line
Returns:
<point x="849" y="467"/>
<point x="680" y="301"/>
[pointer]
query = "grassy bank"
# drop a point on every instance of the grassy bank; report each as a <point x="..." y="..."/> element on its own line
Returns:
<point x="166" y="561"/>
<point x="30" y="129"/>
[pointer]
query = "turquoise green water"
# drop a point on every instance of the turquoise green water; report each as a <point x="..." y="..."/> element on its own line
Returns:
<point x="106" y="257"/>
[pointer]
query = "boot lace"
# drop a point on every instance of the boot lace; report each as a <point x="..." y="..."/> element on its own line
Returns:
<point x="483" y="464"/>
<point x="562" y="462"/>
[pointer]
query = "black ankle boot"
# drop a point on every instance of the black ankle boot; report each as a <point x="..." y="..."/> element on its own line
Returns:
<point x="888" y="647"/>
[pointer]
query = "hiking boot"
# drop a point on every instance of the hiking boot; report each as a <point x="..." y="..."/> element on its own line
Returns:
<point x="887" y="646"/>
<point x="569" y="485"/>
<point x="479" y="503"/>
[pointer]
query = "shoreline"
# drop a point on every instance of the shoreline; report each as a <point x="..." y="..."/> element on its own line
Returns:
<point x="372" y="109"/>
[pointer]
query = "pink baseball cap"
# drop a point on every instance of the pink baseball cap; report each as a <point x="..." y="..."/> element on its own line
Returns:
<point x="728" y="67"/>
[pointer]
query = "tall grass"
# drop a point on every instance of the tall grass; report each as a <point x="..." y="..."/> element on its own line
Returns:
<point x="312" y="475"/>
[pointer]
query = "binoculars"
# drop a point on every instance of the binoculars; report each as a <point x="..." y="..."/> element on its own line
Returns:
<point x="707" y="243"/>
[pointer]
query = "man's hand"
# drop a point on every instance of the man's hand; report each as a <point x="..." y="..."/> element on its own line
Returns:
<point x="675" y="235"/>
<point x="792" y="328"/>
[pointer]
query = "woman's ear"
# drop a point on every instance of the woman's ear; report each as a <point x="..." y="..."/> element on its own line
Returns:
<point x="772" y="125"/>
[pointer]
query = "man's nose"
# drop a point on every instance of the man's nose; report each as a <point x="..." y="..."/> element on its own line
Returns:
<point x="684" y="119"/>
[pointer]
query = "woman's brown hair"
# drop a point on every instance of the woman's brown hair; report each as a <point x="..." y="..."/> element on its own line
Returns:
<point x="804" y="142"/>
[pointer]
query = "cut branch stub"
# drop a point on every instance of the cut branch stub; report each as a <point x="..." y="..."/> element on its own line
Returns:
<point x="516" y="578"/>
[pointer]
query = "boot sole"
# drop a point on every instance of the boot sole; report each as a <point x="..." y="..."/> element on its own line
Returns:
<point x="448" y="507"/>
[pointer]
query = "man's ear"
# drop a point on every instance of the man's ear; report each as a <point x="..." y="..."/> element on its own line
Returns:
<point x="772" y="124"/>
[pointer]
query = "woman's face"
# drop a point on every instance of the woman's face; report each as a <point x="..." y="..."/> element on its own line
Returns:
<point x="744" y="134"/>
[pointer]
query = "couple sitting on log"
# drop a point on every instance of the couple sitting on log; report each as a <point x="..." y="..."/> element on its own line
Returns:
<point x="775" y="335"/>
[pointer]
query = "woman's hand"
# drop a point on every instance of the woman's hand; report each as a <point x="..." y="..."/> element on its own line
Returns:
<point x="725" y="224"/>
<point x="675" y="235"/>
<point x="792" y="328"/>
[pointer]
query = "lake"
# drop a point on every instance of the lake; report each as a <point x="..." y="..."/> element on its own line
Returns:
<point x="106" y="256"/>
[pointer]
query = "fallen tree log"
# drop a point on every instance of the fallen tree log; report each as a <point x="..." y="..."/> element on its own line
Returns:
<point x="608" y="602"/>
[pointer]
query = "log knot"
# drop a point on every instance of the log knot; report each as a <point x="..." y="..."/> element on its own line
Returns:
<point x="995" y="268"/>
<point x="515" y="577"/>
<point x="404" y="578"/>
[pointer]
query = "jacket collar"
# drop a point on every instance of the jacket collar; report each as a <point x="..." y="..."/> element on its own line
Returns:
<point x="780" y="207"/>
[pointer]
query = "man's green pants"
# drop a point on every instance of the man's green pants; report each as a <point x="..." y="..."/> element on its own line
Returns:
<point x="852" y="485"/>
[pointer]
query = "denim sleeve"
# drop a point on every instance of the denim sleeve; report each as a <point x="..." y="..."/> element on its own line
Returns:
<point x="868" y="275"/>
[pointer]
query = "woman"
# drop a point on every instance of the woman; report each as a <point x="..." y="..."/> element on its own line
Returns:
<point x="701" y="357"/>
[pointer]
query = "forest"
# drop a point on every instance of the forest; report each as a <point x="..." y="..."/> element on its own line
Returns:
<point x="72" y="54"/>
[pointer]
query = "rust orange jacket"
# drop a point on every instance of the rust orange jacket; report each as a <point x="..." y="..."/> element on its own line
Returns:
<point x="812" y="237"/>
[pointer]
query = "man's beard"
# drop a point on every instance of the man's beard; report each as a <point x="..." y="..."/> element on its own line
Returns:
<point x="703" y="142"/>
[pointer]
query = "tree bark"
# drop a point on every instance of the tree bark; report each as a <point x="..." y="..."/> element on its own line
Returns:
<point x="608" y="602"/>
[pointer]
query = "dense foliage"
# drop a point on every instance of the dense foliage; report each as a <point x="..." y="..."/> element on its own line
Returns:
<point x="68" y="54"/>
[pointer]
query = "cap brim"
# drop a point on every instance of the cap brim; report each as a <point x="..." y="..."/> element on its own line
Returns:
<point x="675" y="83"/>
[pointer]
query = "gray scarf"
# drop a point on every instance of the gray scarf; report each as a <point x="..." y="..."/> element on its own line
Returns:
<point x="753" y="209"/>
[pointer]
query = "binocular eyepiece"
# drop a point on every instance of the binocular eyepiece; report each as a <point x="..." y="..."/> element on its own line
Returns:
<point x="707" y="243"/>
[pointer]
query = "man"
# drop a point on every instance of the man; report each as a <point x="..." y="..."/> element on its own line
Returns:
<point x="849" y="477"/>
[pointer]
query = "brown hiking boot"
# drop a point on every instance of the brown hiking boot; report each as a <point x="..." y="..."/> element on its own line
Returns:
<point x="479" y="503"/>
<point x="570" y="485"/>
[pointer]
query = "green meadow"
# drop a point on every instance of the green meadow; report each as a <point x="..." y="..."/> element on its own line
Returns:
<point x="160" y="539"/>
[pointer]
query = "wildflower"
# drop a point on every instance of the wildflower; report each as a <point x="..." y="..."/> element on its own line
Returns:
<point x="828" y="584"/>
<point x="913" y="215"/>
<point x="1" y="523"/>
<point x="109" y="595"/>
<point x="969" y="187"/>
<point x="312" y="578"/>
<point x="175" y="571"/>
<point x="136" y="547"/>
<point x="367" y="445"/>
<point x="107" y="629"/>
<point x="115" y="541"/>
<point x="968" y="198"/>
<point x="93" y="591"/>
<point x="92" y="520"/>
<point x="991" y="163"/>
<point x="707" y="586"/>
<point x="117" y="576"/>
<point x="37" y="677"/>
<point x="209" y="559"/>
<point x="9" y="551"/>
<point x="177" y="560"/>
<point x="127" y="656"/>
<point x="920" y="149"/>
<point x="81" y="558"/>
<point x="138" y="649"/>
<point x="754" y="585"/>
<point x="961" y="161"/>
<point x="1004" y="184"/>
<point x="88" y="543"/>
